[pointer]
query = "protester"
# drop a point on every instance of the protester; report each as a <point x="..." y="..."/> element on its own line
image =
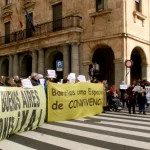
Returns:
<point x="10" y="82"/>
<point x="1" y="81"/>
<point x="65" y="81"/>
<point x="123" y="91"/>
<point x="19" y="83"/>
<point x="142" y="101"/>
<point x="114" y="91"/>
<point x="16" y="79"/>
<point x="131" y="98"/>
<point x="35" y="79"/>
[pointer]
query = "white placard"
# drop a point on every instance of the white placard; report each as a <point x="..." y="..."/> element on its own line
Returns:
<point x="81" y="78"/>
<point x="51" y="73"/>
<point x="123" y="86"/>
<point x="68" y="77"/>
<point x="26" y="83"/>
<point x="148" y="94"/>
<point x="73" y="75"/>
<point x="42" y="81"/>
<point x="61" y="81"/>
<point x="137" y="88"/>
<point x="72" y="78"/>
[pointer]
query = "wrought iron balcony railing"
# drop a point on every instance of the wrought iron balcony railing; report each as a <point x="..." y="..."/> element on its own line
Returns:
<point x="61" y="24"/>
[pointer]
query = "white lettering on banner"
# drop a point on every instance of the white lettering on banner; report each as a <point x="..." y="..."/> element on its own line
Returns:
<point x="42" y="81"/>
<point x="123" y="86"/>
<point x="26" y="83"/>
<point x="51" y="73"/>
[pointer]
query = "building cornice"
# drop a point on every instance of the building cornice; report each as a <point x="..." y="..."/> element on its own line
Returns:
<point x="124" y="35"/>
<point x="28" y="3"/>
<point x="6" y="11"/>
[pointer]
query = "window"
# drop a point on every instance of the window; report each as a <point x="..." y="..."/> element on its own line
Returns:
<point x="7" y="32"/>
<point x="8" y="2"/>
<point x="57" y="17"/>
<point x="99" y="5"/>
<point x="137" y="5"/>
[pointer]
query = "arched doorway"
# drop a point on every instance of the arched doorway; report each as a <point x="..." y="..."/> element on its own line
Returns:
<point x="104" y="56"/>
<point x="51" y="64"/>
<point x="5" y="68"/>
<point x="138" y="57"/>
<point x="26" y="66"/>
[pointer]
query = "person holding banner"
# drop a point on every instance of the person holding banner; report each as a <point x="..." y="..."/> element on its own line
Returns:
<point x="10" y="82"/>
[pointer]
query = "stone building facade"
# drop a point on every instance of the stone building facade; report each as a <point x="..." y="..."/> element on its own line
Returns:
<point x="77" y="32"/>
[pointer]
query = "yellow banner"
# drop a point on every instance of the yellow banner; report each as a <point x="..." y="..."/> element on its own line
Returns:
<point x="21" y="109"/>
<point x="72" y="101"/>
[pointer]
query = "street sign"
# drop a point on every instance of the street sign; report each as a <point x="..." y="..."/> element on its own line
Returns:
<point x="59" y="65"/>
<point x="128" y="63"/>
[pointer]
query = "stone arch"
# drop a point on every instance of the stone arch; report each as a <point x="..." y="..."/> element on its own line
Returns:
<point x="51" y="59"/>
<point x="139" y="59"/>
<point x="104" y="56"/>
<point x="102" y="45"/>
<point x="26" y="65"/>
<point x="5" y="67"/>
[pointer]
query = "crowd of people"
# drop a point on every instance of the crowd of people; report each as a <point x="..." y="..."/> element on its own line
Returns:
<point x="129" y="98"/>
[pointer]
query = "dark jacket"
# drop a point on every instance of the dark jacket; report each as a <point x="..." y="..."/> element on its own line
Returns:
<point x="141" y="97"/>
<point x="34" y="82"/>
<point x="131" y="93"/>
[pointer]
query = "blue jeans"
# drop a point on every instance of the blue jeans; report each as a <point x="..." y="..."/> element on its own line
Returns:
<point x="142" y="107"/>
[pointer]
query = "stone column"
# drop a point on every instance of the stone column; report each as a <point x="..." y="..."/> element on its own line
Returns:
<point x="41" y="62"/>
<point x="120" y="74"/>
<point x="15" y="65"/>
<point x="34" y="61"/>
<point x="85" y="66"/>
<point x="75" y="58"/>
<point x="66" y="60"/>
<point x="10" y="66"/>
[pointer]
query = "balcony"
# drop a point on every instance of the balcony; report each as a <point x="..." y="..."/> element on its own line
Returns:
<point x="43" y="29"/>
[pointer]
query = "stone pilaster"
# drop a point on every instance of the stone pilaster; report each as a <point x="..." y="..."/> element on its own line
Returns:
<point x="85" y="66"/>
<point x="15" y="65"/>
<point x="66" y="60"/>
<point x="75" y="58"/>
<point x="10" y="66"/>
<point x="146" y="71"/>
<point x="119" y="71"/>
<point x="34" y="61"/>
<point x="41" y="61"/>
